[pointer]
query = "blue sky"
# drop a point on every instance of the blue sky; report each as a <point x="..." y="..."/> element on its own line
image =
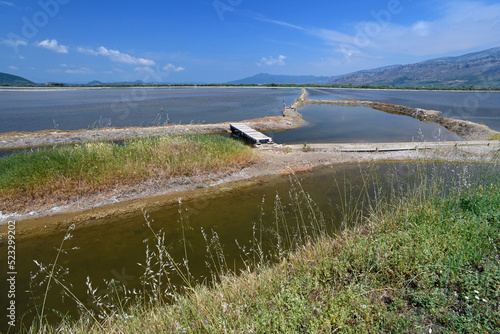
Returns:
<point x="78" y="41"/>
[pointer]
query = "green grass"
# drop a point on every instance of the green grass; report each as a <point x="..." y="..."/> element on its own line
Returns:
<point x="423" y="261"/>
<point x="65" y="172"/>
<point x="495" y="137"/>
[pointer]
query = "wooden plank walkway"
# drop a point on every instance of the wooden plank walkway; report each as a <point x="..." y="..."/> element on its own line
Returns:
<point x="247" y="132"/>
<point x="388" y="147"/>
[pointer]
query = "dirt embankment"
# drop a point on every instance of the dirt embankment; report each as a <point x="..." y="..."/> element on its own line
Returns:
<point x="465" y="129"/>
<point x="22" y="140"/>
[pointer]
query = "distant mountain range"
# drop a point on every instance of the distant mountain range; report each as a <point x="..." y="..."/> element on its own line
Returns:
<point x="14" y="80"/>
<point x="121" y="83"/>
<point x="478" y="70"/>
<point x="266" y="78"/>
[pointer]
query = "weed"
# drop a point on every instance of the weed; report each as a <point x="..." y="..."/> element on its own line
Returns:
<point x="307" y="148"/>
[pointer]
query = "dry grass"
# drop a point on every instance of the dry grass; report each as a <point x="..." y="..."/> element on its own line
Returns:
<point x="66" y="173"/>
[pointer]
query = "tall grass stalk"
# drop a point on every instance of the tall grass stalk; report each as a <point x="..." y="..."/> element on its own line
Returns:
<point x="419" y="253"/>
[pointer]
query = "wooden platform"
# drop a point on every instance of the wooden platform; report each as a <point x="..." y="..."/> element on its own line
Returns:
<point x="247" y="132"/>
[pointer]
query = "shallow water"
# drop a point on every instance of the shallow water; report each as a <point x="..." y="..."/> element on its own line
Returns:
<point x="341" y="124"/>
<point x="83" y="109"/>
<point x="112" y="248"/>
<point x="479" y="107"/>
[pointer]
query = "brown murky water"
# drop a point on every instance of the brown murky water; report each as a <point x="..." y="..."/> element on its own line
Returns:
<point x="112" y="249"/>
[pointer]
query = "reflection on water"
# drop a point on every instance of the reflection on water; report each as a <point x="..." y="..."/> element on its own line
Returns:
<point x="341" y="124"/>
<point x="82" y="109"/>
<point x="112" y="248"/>
<point x="479" y="107"/>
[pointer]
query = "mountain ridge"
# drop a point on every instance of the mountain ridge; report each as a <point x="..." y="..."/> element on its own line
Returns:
<point x="477" y="69"/>
<point x="266" y="78"/>
<point x="14" y="80"/>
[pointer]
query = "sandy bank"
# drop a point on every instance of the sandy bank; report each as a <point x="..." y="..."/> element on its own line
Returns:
<point x="22" y="140"/>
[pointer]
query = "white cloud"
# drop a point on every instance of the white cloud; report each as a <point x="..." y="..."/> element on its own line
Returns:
<point x="117" y="56"/>
<point x="53" y="45"/>
<point x="81" y="70"/>
<point x="7" y="3"/>
<point x="173" y="68"/>
<point x="280" y="61"/>
<point x="13" y="67"/>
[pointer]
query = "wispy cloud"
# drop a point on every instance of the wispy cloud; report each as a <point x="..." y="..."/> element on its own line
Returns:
<point x="13" y="67"/>
<point x="53" y="45"/>
<point x="281" y="23"/>
<point x="173" y="68"/>
<point x="461" y="25"/>
<point x="81" y="70"/>
<point x="13" y="43"/>
<point x="7" y="3"/>
<point x="117" y="56"/>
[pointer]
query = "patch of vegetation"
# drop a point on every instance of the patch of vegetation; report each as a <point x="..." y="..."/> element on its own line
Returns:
<point x="307" y="148"/>
<point x="495" y="137"/>
<point x="66" y="172"/>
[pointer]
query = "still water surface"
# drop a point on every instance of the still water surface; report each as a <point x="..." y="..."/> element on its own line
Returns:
<point x="479" y="107"/>
<point x="83" y="109"/>
<point x="112" y="248"/>
<point x="340" y="124"/>
<point x="93" y="108"/>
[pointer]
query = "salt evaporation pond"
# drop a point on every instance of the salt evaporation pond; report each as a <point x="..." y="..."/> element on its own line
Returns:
<point x="341" y="124"/>
<point x="479" y="107"/>
<point x="95" y="108"/>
